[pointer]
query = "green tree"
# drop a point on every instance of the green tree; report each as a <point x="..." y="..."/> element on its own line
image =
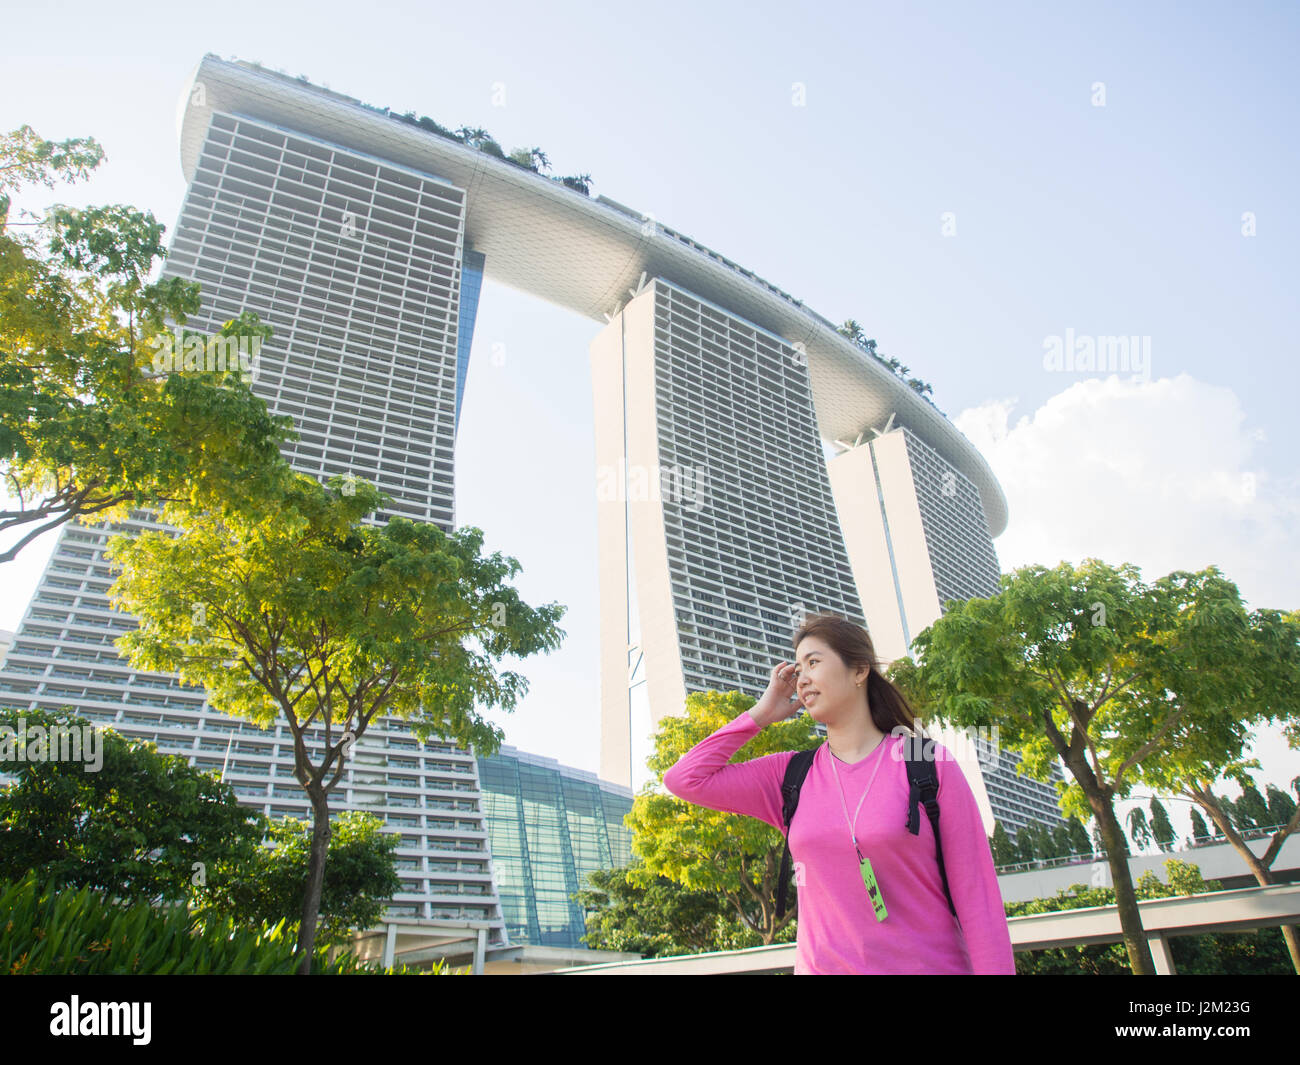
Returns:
<point x="533" y="159"/>
<point x="1079" y="841"/>
<point x="1001" y="846"/>
<point x="304" y="614"/>
<point x="1281" y="807"/>
<point x="1200" y="834"/>
<point x="425" y="122"/>
<point x="26" y="158"/>
<point x="1162" y="830"/>
<point x="1238" y="953"/>
<point x="359" y="877"/>
<point x="1060" y="840"/>
<point x="1046" y="842"/>
<point x="141" y="827"/>
<point x="1037" y="838"/>
<point x="706" y="850"/>
<point x="1116" y="678"/>
<point x="1024" y="843"/>
<point x="1252" y="808"/>
<point x="48" y="929"/>
<point x="1258" y="663"/>
<point x="854" y="332"/>
<point x="89" y="427"/>
<point x="474" y="136"/>
<point x="1138" y="829"/>
<point x="631" y="910"/>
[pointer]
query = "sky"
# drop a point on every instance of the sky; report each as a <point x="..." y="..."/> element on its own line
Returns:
<point x="967" y="181"/>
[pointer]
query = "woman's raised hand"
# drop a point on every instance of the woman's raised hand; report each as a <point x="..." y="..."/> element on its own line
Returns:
<point x="780" y="701"/>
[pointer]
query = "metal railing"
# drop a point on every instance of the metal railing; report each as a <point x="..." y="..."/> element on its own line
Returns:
<point x="1100" y="856"/>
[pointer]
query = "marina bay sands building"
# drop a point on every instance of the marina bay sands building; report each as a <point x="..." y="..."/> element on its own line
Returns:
<point x="739" y="526"/>
<point x="363" y="239"/>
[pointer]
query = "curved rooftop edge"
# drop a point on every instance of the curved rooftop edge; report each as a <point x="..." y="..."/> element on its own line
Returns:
<point x="583" y="254"/>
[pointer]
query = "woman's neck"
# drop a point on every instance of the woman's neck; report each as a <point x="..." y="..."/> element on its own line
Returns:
<point x="854" y="736"/>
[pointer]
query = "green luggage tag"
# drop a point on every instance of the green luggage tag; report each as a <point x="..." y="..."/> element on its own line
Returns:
<point x="873" y="889"/>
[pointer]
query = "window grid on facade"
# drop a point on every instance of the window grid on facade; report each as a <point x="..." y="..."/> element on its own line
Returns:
<point x="355" y="264"/>
<point x="549" y="826"/>
<point x="735" y="413"/>
<point x="957" y="539"/>
<point x="965" y="566"/>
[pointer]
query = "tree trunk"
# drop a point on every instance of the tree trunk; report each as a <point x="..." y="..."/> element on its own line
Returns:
<point x="771" y="869"/>
<point x="1258" y="868"/>
<point x="1099" y="799"/>
<point x="320" y="842"/>
<point x="1130" y="919"/>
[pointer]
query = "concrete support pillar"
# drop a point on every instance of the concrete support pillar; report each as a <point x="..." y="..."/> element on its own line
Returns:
<point x="1162" y="956"/>
<point x="480" y="949"/>
<point x="390" y="944"/>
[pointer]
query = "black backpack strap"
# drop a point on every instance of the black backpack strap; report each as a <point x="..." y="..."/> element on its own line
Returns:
<point x="795" y="772"/>
<point x="923" y="787"/>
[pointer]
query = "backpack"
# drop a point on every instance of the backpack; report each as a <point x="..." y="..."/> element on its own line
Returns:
<point x="923" y="782"/>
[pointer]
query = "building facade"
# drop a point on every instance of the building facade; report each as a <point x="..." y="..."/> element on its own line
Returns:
<point x="363" y="240"/>
<point x="721" y="525"/>
<point x="549" y="825"/>
<point x="715" y="512"/>
<point x="917" y="539"/>
<point x="358" y="266"/>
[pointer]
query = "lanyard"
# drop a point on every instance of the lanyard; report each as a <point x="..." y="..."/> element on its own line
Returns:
<point x="853" y="833"/>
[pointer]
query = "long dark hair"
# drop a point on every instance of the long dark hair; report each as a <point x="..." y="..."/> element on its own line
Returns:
<point x="889" y="707"/>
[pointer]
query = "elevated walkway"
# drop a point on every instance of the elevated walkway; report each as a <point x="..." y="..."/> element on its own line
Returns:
<point x="1217" y="861"/>
<point x="1215" y="911"/>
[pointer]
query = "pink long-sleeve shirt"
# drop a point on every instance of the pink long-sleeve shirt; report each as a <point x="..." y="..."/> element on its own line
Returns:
<point x="838" y="930"/>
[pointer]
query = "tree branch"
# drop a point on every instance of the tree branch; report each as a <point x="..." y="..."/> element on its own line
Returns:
<point x="1150" y="744"/>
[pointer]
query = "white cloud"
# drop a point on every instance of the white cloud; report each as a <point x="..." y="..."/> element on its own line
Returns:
<point x="1162" y="474"/>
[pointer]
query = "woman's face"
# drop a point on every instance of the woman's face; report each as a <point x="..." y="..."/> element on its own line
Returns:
<point x="827" y="688"/>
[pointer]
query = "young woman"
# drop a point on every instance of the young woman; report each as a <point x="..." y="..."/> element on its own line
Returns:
<point x="854" y="805"/>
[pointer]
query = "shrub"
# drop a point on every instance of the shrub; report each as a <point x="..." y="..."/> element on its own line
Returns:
<point x="48" y="930"/>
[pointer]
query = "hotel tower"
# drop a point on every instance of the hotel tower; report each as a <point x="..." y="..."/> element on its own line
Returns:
<point x="752" y="464"/>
